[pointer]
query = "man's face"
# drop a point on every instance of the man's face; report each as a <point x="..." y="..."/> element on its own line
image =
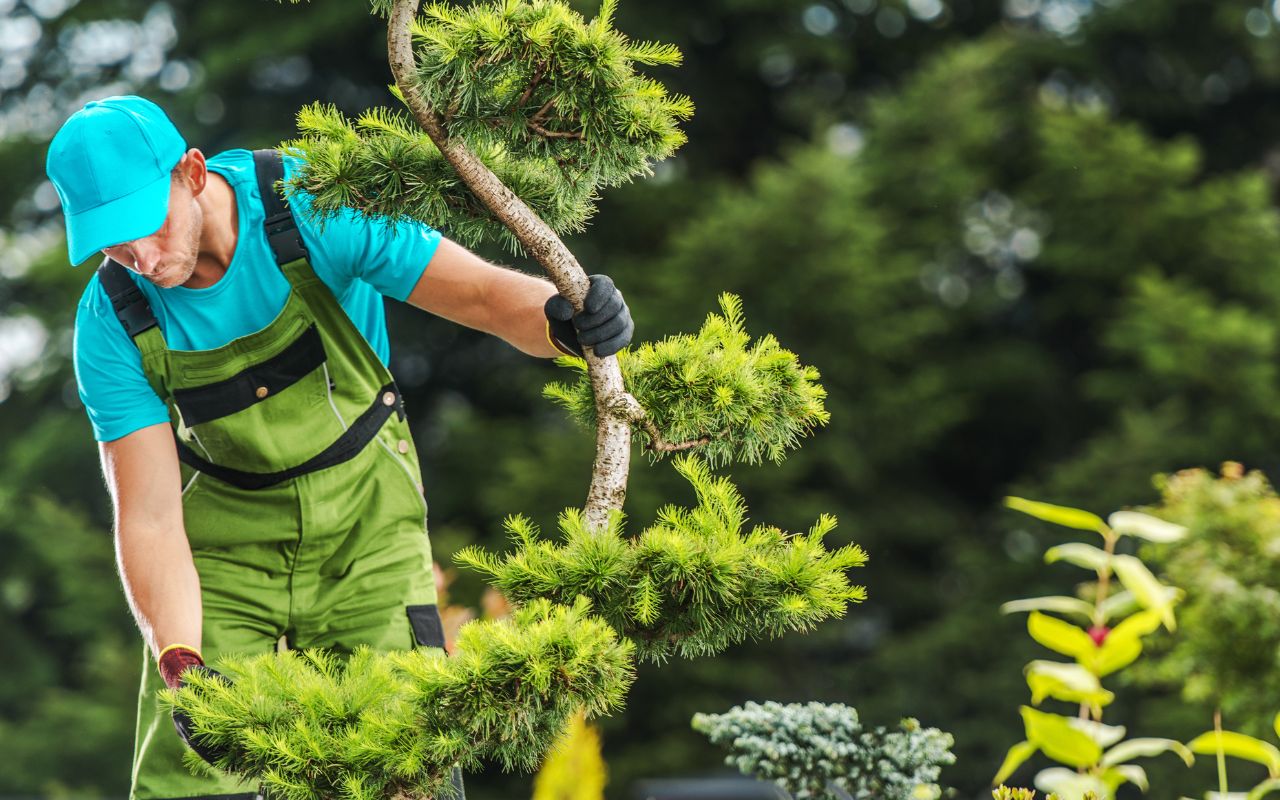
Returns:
<point x="167" y="257"/>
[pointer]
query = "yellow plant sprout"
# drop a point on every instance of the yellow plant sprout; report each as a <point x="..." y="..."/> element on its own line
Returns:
<point x="574" y="770"/>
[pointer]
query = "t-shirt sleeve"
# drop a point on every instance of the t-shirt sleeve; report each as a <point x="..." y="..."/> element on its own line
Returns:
<point x="350" y="245"/>
<point x="109" y="374"/>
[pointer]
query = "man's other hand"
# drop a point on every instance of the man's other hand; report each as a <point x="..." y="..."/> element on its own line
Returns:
<point x="604" y="324"/>
<point x="186" y="728"/>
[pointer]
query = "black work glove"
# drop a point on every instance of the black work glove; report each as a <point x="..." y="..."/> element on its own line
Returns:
<point x="186" y="728"/>
<point x="604" y="325"/>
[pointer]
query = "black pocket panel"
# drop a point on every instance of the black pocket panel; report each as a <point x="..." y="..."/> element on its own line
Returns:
<point x="254" y="384"/>
<point x="427" y="630"/>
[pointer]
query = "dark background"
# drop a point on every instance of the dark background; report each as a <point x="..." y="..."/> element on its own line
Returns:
<point x="1031" y="245"/>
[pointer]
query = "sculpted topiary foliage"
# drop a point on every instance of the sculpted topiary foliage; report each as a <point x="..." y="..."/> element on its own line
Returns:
<point x="549" y="102"/>
<point x="518" y="113"/>
<point x="309" y="725"/>
<point x="740" y="401"/>
<point x="693" y="583"/>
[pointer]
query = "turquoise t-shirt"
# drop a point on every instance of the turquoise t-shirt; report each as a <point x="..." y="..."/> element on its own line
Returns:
<point x="358" y="257"/>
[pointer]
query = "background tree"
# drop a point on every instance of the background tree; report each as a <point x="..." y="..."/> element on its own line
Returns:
<point x="1227" y="651"/>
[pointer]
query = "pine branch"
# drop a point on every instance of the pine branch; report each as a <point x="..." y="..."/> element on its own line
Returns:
<point x="309" y="725"/>
<point x="717" y="391"/>
<point x="693" y="583"/>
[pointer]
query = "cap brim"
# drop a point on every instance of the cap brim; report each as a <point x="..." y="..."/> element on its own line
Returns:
<point x="137" y="214"/>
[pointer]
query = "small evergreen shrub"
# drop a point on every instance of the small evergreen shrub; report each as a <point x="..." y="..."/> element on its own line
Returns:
<point x="809" y="749"/>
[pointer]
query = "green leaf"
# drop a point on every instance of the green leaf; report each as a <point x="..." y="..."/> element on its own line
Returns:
<point x="1238" y="745"/>
<point x="1145" y="526"/>
<point x="1135" y="626"/>
<point x="1054" y="735"/>
<point x="1116" y="653"/>
<point x="1104" y="735"/>
<point x="1060" y="637"/>
<point x="1059" y="604"/>
<point x="1070" y="683"/>
<point x="1123" y="603"/>
<point x="1127" y="772"/>
<point x="1145" y="748"/>
<point x="1123" y="644"/>
<point x="1070" y="785"/>
<point x="1263" y="789"/>
<point x="1058" y="515"/>
<point x="1150" y="592"/>
<point x="1016" y="757"/>
<point x="1080" y="554"/>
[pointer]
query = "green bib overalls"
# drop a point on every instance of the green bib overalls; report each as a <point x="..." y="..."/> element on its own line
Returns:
<point x="301" y="494"/>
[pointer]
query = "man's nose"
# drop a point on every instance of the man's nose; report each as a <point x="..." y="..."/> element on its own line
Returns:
<point x="146" y="261"/>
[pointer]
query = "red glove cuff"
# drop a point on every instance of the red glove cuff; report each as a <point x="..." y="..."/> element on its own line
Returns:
<point x="176" y="659"/>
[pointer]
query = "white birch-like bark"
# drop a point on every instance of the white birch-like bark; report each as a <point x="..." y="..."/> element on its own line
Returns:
<point x="615" y="408"/>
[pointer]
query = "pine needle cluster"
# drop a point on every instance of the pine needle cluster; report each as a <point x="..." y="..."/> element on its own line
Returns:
<point x="750" y="401"/>
<point x="822" y="751"/>
<point x="534" y="77"/>
<point x="382" y="164"/>
<point x="693" y="583"/>
<point x="549" y="102"/>
<point x="309" y="725"/>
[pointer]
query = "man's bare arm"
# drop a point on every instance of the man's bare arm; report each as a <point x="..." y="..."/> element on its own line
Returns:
<point x="464" y="288"/>
<point x="152" y="552"/>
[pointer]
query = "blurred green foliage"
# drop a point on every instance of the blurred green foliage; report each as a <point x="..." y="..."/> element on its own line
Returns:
<point x="1030" y="245"/>
<point x="1226" y="651"/>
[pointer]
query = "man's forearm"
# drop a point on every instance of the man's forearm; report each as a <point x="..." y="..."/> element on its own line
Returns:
<point x="460" y="286"/>
<point x="161" y="585"/>
<point x="152" y="552"/>
<point x="522" y="322"/>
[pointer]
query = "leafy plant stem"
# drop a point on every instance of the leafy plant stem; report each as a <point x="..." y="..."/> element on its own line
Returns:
<point x="1104" y="577"/>
<point x="1110" y="538"/>
<point x="1222" y="758"/>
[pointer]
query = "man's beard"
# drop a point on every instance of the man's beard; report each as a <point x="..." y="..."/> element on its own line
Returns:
<point x="182" y="271"/>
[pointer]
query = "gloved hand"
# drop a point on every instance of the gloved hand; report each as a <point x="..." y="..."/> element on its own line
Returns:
<point x="604" y="325"/>
<point x="176" y="662"/>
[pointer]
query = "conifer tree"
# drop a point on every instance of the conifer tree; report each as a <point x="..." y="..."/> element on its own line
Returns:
<point x="519" y="113"/>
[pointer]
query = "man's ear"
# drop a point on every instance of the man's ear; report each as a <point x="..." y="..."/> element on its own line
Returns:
<point x="192" y="170"/>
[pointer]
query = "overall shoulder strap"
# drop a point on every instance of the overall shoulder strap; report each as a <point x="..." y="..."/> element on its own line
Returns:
<point x="138" y="320"/>
<point x="127" y="300"/>
<point x="281" y="227"/>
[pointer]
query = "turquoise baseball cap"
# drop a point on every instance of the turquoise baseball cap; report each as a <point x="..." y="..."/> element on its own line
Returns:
<point x="110" y="163"/>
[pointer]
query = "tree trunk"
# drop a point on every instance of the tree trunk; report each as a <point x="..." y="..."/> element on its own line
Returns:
<point x="615" y="408"/>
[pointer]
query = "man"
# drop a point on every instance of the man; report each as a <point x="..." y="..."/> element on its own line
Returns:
<point x="232" y="359"/>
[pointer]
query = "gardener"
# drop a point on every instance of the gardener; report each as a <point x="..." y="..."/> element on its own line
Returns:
<point x="232" y="357"/>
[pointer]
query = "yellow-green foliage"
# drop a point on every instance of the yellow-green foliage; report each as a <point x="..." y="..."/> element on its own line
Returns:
<point x="752" y="400"/>
<point x="574" y="769"/>
<point x="310" y="727"/>
<point x="382" y="164"/>
<point x="693" y="583"/>
<point x="549" y="101"/>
